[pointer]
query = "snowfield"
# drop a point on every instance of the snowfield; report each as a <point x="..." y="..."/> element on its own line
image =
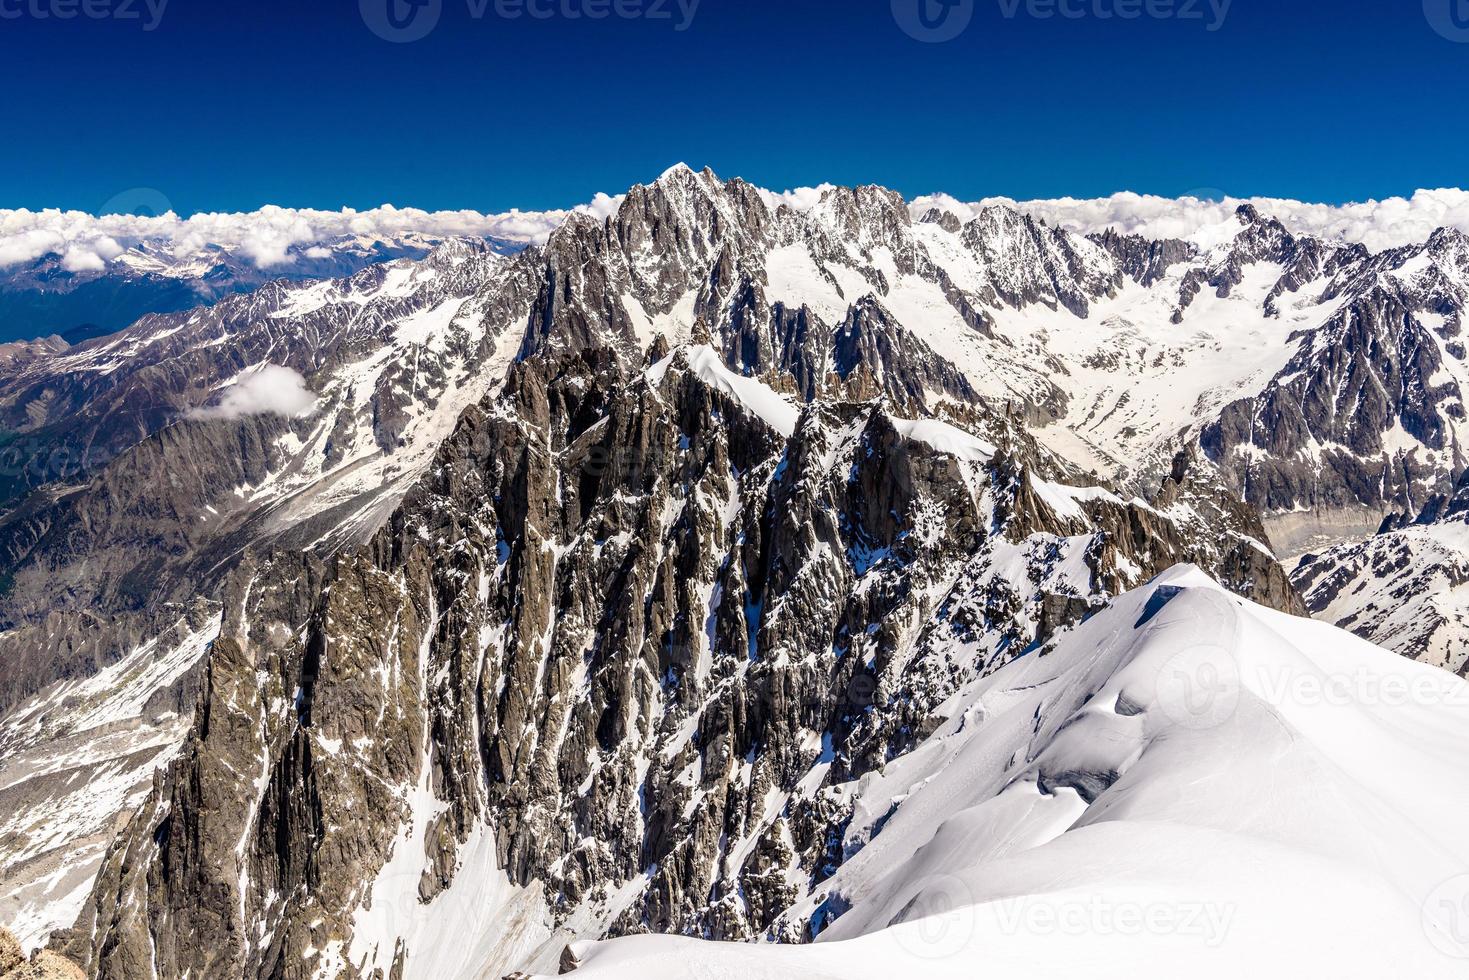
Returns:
<point x="1191" y="785"/>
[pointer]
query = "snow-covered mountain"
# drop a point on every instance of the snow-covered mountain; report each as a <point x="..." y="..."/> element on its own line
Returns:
<point x="150" y="473"/>
<point x="1171" y="792"/>
<point x="1406" y="588"/>
<point x="426" y="620"/>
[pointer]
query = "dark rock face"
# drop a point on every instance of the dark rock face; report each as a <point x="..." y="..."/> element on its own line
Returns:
<point x="870" y="343"/>
<point x="635" y="630"/>
<point x="1143" y="260"/>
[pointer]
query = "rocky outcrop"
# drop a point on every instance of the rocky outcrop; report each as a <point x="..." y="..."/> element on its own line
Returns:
<point x="41" y="965"/>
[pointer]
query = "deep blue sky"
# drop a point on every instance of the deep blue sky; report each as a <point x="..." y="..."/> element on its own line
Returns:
<point x="229" y="105"/>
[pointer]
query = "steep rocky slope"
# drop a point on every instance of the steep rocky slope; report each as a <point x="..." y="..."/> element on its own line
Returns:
<point x="80" y="756"/>
<point x="612" y="668"/>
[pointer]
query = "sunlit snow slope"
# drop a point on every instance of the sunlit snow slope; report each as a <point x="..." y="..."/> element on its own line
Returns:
<point x="1191" y="785"/>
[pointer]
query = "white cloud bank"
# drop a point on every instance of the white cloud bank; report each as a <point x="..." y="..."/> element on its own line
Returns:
<point x="269" y="390"/>
<point x="264" y="237"/>
<point x="87" y="242"/>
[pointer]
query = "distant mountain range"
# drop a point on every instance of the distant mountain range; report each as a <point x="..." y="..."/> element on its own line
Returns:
<point x="43" y="297"/>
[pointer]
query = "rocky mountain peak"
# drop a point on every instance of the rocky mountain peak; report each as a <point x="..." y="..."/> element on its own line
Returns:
<point x="946" y="220"/>
<point x="1449" y="249"/>
<point x="865" y="216"/>
<point x="1248" y="214"/>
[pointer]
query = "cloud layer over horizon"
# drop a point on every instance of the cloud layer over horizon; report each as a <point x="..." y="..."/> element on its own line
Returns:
<point x="86" y="242"/>
<point x="265" y="237"/>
